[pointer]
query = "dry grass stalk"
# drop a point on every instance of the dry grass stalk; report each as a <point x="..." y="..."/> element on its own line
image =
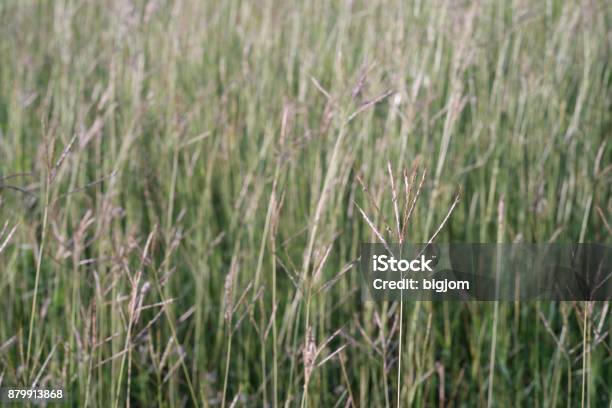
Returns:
<point x="401" y="230"/>
<point x="228" y="293"/>
<point x="309" y="355"/>
<point x="6" y="237"/>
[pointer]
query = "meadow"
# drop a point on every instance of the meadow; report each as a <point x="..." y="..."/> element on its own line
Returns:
<point x="184" y="186"/>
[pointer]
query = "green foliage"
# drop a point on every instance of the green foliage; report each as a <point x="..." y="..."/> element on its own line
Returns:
<point x="187" y="165"/>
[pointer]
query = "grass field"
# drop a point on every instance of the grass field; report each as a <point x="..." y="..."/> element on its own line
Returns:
<point x="184" y="187"/>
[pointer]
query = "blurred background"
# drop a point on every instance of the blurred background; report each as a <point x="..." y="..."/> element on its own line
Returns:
<point x="184" y="186"/>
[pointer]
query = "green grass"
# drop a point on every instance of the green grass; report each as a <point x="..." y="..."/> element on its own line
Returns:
<point x="182" y="176"/>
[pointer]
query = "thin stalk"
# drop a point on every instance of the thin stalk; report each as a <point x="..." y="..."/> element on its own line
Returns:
<point x="399" y="352"/>
<point x="38" y="267"/>
<point x="500" y="238"/>
<point x="176" y="341"/>
<point x="274" y="330"/>
<point x="585" y="340"/>
<point x="227" y="363"/>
